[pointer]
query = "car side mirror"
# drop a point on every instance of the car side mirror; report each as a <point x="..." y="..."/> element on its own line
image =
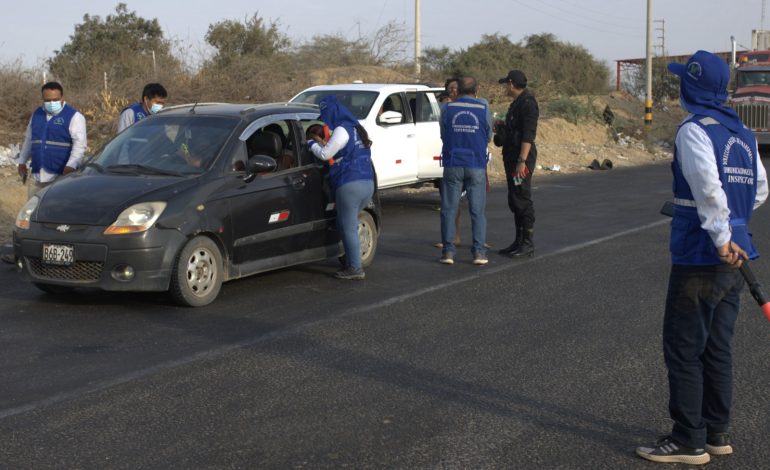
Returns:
<point x="390" y="117"/>
<point x="261" y="164"/>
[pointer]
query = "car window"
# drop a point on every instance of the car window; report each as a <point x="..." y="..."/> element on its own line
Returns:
<point x="392" y="103"/>
<point x="358" y="102"/>
<point x="311" y="126"/>
<point x="178" y="144"/>
<point x="278" y="141"/>
<point x="422" y="108"/>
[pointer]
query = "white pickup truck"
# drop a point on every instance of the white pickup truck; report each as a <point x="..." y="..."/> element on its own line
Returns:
<point x="402" y="122"/>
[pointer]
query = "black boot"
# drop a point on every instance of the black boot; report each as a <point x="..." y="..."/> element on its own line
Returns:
<point x="515" y="245"/>
<point x="527" y="246"/>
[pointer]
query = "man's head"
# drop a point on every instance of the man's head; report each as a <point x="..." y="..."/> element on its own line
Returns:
<point x="467" y="86"/>
<point x="154" y="97"/>
<point x="515" y="82"/>
<point x="451" y="87"/>
<point x="703" y="79"/>
<point x="52" y="93"/>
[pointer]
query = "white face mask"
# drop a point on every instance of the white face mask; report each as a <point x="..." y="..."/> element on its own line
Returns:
<point x="53" y="107"/>
<point x="681" y="103"/>
<point x="155" y="108"/>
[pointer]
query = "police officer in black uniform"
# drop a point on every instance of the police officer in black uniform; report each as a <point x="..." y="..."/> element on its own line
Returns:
<point x="517" y="137"/>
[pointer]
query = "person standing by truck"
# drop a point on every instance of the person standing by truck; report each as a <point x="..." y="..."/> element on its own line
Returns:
<point x="517" y="137"/>
<point x="351" y="176"/>
<point x="718" y="182"/>
<point x="465" y="132"/>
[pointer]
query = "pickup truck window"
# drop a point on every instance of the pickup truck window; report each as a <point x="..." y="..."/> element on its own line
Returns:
<point x="392" y="103"/>
<point x="358" y="102"/>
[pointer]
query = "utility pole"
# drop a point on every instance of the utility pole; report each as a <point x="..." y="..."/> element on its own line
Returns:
<point x="648" y="99"/>
<point x="417" y="38"/>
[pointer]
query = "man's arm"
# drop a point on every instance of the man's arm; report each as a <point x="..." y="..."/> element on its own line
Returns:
<point x="125" y="119"/>
<point x="699" y="167"/>
<point x="762" y="188"/>
<point x="79" y="142"/>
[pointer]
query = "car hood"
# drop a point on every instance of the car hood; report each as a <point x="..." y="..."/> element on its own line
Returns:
<point x="97" y="199"/>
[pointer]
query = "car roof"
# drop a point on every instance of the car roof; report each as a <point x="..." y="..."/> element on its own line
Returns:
<point x="248" y="111"/>
<point x="378" y="87"/>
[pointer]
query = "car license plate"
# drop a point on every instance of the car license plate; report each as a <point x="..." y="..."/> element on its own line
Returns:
<point x="58" y="254"/>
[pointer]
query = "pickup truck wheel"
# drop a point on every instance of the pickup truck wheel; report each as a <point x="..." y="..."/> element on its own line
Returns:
<point x="197" y="275"/>
<point x="367" y="239"/>
<point x="53" y="289"/>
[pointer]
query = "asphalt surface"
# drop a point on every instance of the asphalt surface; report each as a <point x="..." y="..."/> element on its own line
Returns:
<point x="549" y="362"/>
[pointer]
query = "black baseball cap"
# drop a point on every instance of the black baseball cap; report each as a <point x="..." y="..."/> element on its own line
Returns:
<point x="516" y="77"/>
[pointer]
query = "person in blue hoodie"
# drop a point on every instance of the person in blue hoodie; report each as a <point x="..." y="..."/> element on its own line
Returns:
<point x="351" y="176"/>
<point x="718" y="181"/>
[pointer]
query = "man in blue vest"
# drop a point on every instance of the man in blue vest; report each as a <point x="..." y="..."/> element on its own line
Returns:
<point x="718" y="181"/>
<point x="465" y="132"/>
<point x="153" y="99"/>
<point x="55" y="140"/>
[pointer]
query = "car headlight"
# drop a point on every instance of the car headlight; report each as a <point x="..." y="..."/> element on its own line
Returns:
<point x="137" y="218"/>
<point x="25" y="214"/>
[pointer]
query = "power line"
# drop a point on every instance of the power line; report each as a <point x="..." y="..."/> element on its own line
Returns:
<point x="581" y="14"/>
<point x="570" y="21"/>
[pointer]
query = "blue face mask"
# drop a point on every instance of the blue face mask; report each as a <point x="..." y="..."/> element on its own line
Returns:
<point x="155" y="108"/>
<point x="52" y="107"/>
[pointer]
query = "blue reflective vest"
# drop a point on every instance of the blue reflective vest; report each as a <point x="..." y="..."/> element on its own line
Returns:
<point x="737" y="165"/>
<point x="464" y="133"/>
<point x="353" y="162"/>
<point x="138" y="110"/>
<point x="51" y="140"/>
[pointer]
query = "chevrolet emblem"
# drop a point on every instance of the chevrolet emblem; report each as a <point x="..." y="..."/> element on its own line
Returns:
<point x="63" y="228"/>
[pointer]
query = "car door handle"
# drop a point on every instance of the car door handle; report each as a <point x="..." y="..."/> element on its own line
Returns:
<point x="298" y="182"/>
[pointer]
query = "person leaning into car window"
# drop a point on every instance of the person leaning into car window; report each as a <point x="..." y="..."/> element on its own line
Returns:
<point x="351" y="176"/>
<point x="153" y="99"/>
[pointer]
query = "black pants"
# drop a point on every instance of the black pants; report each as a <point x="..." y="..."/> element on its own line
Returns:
<point x="701" y="308"/>
<point x="520" y="196"/>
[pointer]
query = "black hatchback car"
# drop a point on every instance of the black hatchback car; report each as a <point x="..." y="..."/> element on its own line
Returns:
<point x="185" y="200"/>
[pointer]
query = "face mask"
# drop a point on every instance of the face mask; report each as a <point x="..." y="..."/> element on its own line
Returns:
<point x="681" y="103"/>
<point x="52" y="107"/>
<point x="155" y="108"/>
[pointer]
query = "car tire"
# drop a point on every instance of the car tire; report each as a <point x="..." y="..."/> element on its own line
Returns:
<point x="54" y="289"/>
<point x="197" y="275"/>
<point x="367" y="238"/>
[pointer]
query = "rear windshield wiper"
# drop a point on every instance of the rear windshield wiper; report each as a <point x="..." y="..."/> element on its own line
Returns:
<point x="134" y="168"/>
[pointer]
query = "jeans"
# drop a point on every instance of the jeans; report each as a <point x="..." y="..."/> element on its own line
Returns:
<point x="474" y="181"/>
<point x="701" y="308"/>
<point x="350" y="199"/>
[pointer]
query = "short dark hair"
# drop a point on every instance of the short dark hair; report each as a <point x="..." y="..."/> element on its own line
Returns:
<point x="152" y="90"/>
<point x="450" y="80"/>
<point x="467" y="86"/>
<point x="52" y="86"/>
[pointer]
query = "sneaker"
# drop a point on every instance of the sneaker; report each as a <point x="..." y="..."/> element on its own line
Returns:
<point x="479" y="259"/>
<point x="667" y="450"/>
<point x="719" y="444"/>
<point x="350" y="274"/>
<point x="447" y="258"/>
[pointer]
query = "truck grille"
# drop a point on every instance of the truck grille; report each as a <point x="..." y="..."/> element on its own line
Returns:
<point x="78" y="271"/>
<point x="754" y="115"/>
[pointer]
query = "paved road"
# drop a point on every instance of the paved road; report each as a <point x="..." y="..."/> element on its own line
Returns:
<point x="551" y="362"/>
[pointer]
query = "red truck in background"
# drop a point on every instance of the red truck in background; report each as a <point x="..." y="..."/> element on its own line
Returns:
<point x="751" y="97"/>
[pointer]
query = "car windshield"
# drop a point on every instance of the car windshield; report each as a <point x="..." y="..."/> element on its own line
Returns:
<point x="758" y="78"/>
<point x="166" y="145"/>
<point x="358" y="102"/>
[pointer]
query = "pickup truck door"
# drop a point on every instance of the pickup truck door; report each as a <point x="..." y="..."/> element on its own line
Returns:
<point x="426" y="113"/>
<point x="394" y="145"/>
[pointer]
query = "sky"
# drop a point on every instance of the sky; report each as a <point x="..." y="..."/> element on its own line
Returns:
<point x="609" y="29"/>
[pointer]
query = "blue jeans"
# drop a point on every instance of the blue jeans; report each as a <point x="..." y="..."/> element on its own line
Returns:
<point x="701" y="308"/>
<point x="474" y="181"/>
<point x="350" y="199"/>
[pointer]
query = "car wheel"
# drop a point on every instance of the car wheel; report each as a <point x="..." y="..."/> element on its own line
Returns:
<point x="367" y="239"/>
<point x="53" y="289"/>
<point x="197" y="275"/>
